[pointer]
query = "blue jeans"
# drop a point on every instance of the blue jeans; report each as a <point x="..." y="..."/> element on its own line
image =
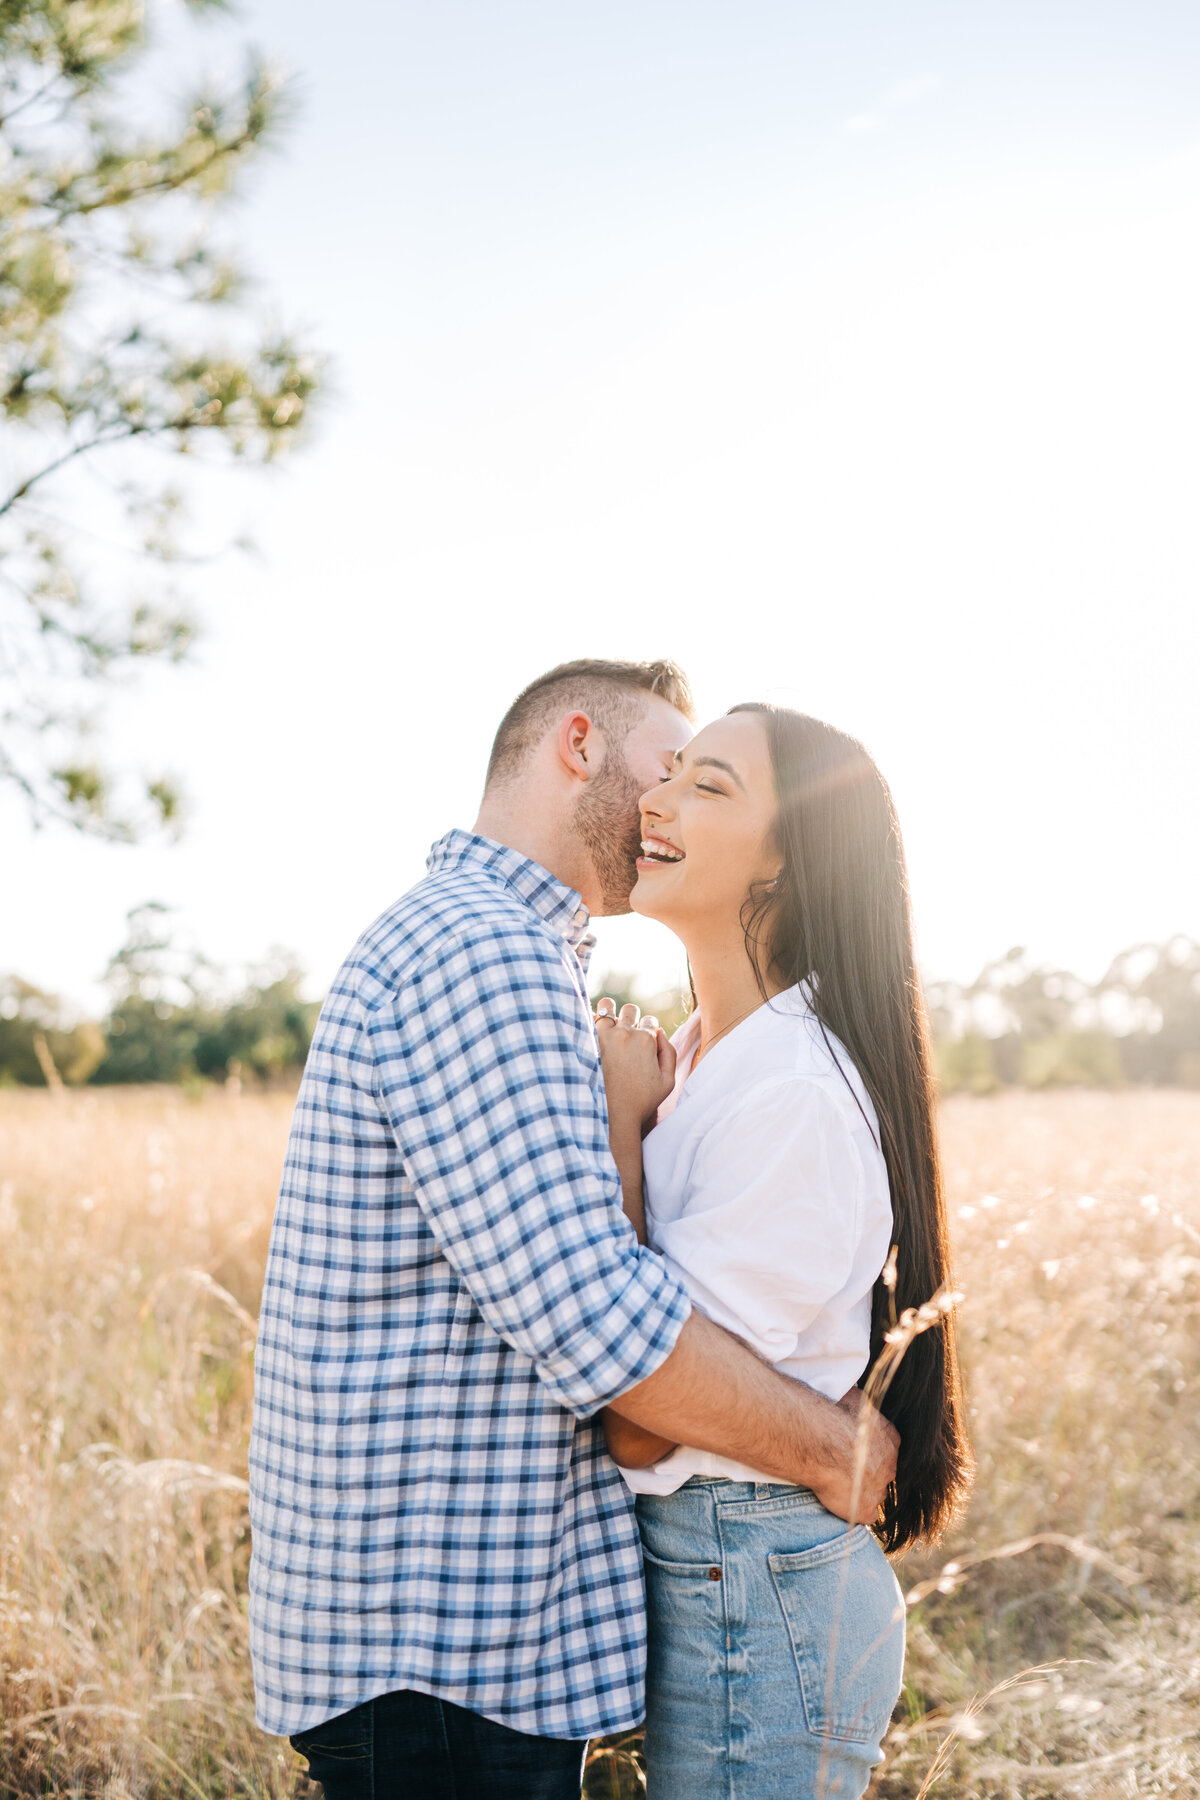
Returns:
<point x="409" y="1746"/>
<point x="776" y="1645"/>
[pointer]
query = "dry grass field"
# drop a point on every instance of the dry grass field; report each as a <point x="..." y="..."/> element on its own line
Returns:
<point x="1054" y="1643"/>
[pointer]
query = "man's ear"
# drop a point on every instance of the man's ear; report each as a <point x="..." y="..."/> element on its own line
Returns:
<point x="580" y="746"/>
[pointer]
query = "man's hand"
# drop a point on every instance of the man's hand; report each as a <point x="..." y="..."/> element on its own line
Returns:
<point x="855" y="1487"/>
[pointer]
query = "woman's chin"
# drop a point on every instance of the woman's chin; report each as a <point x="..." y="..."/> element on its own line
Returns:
<point x="641" y="900"/>
<point x="649" y="901"/>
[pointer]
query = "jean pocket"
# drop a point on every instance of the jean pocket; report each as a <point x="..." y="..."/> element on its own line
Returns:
<point x="682" y="1571"/>
<point x="845" y="1616"/>
<point x="685" y="1623"/>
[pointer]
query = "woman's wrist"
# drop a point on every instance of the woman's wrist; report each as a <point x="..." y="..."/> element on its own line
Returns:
<point x="625" y="1143"/>
<point x="625" y="1134"/>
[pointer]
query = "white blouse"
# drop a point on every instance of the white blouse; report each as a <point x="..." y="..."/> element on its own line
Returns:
<point x="767" y="1196"/>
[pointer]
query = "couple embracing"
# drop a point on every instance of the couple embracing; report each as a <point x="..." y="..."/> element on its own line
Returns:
<point x="557" y="1418"/>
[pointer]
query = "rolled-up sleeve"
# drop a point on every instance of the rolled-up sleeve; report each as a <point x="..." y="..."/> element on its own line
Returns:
<point x="486" y="1069"/>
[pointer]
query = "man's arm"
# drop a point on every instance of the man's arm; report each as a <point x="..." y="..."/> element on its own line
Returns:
<point x="715" y="1394"/>
<point x="631" y="1445"/>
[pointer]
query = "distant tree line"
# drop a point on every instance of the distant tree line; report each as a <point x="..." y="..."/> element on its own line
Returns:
<point x="1023" y="1024"/>
<point x="173" y="1017"/>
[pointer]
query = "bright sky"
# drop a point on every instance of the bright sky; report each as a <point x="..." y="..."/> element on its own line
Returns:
<point x="846" y="352"/>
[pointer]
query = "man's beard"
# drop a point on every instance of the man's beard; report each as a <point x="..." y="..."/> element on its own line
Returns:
<point x="610" y="826"/>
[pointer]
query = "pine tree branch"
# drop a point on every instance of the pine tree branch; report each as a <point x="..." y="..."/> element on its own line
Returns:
<point x="31" y="99"/>
<point x="260" y="107"/>
<point x="75" y="152"/>
<point x="100" y="442"/>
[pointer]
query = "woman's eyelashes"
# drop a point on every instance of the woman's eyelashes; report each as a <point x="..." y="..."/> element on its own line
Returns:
<point x="700" y="787"/>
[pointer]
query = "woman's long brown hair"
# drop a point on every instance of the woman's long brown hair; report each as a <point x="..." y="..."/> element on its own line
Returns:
<point x="838" y="918"/>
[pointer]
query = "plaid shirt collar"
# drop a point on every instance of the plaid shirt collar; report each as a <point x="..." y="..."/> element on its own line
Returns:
<point x="559" y="906"/>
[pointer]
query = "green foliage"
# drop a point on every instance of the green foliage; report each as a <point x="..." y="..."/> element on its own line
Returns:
<point x="1156" y="991"/>
<point x="147" y="1040"/>
<point x="266" y="1030"/>
<point x="967" y="1064"/>
<point x="1071" y="1059"/>
<point x="263" y="1031"/>
<point x="39" y="1040"/>
<point x="1022" y="1024"/>
<point x="174" y="1020"/>
<point x="109" y="276"/>
<point x="1033" y="1026"/>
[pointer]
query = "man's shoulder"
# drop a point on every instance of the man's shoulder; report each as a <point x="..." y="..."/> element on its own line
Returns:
<point x="450" y="917"/>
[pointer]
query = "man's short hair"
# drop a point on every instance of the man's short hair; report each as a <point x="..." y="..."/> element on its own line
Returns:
<point x="606" y="691"/>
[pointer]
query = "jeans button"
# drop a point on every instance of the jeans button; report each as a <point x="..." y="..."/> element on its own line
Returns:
<point x="714" y="1574"/>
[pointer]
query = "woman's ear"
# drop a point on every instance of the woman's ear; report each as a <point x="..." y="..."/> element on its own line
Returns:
<point x="773" y="859"/>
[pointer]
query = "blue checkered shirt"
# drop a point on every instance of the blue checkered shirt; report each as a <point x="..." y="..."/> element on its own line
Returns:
<point x="452" y="1291"/>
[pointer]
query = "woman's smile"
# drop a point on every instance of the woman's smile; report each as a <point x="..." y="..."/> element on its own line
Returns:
<point x="658" y="852"/>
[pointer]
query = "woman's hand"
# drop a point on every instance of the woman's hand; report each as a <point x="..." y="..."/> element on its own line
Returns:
<point x="639" y="1073"/>
<point x="639" y="1065"/>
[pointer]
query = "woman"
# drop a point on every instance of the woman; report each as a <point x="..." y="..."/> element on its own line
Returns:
<point x="794" y="1151"/>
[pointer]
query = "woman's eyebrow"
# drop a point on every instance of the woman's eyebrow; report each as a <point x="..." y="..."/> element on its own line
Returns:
<point x="712" y="762"/>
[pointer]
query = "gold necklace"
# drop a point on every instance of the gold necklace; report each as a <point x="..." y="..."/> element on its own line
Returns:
<point x="705" y="1048"/>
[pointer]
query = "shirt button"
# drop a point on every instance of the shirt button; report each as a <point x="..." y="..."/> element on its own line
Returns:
<point x="581" y="917"/>
<point x="714" y="1574"/>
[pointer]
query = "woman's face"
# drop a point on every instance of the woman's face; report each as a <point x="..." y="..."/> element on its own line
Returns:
<point x="706" y="830"/>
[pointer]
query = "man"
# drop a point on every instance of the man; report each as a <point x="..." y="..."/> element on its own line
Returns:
<point x="446" y="1594"/>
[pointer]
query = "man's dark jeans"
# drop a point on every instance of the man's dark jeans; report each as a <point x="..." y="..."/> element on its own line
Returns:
<point x="408" y="1746"/>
